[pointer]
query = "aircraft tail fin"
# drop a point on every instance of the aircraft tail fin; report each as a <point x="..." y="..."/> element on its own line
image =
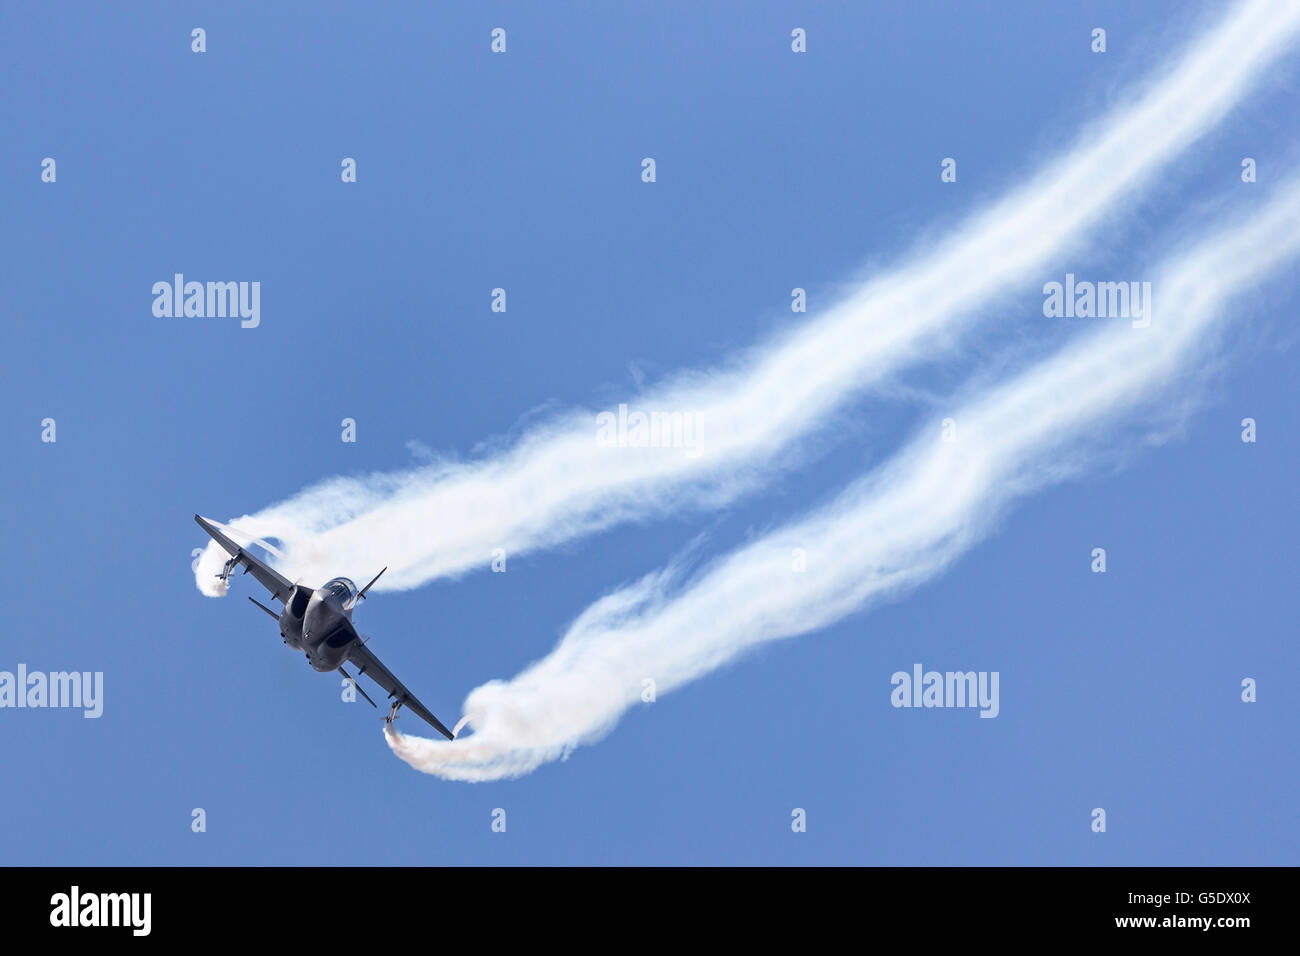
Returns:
<point x="362" y="592"/>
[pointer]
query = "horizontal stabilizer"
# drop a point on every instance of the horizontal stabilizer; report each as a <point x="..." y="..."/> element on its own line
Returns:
<point x="264" y="607"/>
<point x="348" y="676"/>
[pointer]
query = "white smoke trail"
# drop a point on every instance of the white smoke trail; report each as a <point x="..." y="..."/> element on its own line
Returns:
<point x="557" y="482"/>
<point x="886" y="533"/>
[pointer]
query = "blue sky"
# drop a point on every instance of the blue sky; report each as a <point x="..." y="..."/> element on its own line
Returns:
<point x="475" y="171"/>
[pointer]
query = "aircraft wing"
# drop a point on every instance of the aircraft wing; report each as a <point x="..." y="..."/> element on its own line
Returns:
<point x="275" y="582"/>
<point x="368" y="664"/>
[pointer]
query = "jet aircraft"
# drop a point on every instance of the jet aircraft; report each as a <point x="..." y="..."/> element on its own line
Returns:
<point x="318" y="622"/>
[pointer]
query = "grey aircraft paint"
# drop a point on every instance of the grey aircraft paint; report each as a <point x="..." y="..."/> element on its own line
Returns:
<point x="318" y="622"/>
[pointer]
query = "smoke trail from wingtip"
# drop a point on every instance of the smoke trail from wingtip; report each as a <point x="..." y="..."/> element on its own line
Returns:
<point x="217" y="586"/>
<point x="557" y="482"/>
<point x="885" y="534"/>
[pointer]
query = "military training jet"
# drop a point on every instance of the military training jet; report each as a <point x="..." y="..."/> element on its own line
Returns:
<point x="318" y="622"/>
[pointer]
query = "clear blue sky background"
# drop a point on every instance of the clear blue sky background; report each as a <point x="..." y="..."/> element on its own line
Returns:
<point x="1118" y="690"/>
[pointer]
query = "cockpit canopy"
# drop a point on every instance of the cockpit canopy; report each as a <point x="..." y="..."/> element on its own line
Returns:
<point x="343" y="589"/>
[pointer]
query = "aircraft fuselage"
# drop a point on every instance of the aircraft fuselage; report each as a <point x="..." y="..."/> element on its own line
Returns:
<point x="318" y="622"/>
